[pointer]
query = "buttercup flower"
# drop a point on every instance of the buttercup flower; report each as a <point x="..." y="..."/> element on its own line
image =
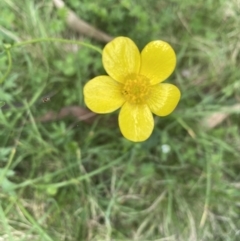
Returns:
<point x="134" y="84"/>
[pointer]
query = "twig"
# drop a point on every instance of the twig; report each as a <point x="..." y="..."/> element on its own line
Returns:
<point x="218" y="117"/>
<point x="77" y="24"/>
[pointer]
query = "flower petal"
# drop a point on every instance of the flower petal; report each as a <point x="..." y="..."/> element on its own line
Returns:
<point x="164" y="99"/>
<point x="120" y="58"/>
<point x="136" y="122"/>
<point x="103" y="94"/>
<point x="158" y="61"/>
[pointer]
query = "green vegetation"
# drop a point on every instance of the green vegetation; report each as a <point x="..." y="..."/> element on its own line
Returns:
<point x="68" y="180"/>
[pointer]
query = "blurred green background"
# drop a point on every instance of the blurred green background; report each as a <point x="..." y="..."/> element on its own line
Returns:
<point x="71" y="180"/>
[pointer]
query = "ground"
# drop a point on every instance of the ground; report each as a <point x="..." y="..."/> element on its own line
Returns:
<point x="71" y="179"/>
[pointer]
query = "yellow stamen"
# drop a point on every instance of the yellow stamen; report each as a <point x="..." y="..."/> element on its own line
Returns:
<point x="136" y="88"/>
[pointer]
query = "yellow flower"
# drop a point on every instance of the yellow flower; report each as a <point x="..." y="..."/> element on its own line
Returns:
<point x="134" y="84"/>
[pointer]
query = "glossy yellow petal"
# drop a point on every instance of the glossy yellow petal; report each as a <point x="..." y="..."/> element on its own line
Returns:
<point x="164" y="99"/>
<point x="121" y="58"/>
<point x="103" y="94"/>
<point x="136" y="122"/>
<point x="158" y="61"/>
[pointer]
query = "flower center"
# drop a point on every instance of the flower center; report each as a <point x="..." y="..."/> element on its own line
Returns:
<point x="136" y="88"/>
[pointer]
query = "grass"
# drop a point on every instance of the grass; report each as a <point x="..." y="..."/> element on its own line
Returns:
<point x="70" y="180"/>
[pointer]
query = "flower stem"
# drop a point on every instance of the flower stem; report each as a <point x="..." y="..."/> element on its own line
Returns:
<point x="58" y="40"/>
<point x="38" y="40"/>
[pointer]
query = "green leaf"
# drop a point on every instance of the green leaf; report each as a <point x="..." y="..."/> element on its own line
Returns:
<point x="2" y="103"/>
